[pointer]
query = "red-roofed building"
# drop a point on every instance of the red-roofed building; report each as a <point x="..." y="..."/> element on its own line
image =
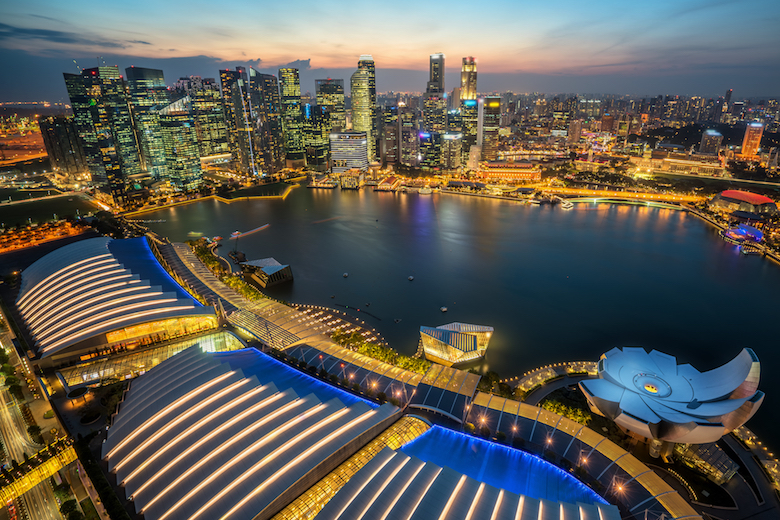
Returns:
<point x="731" y="201"/>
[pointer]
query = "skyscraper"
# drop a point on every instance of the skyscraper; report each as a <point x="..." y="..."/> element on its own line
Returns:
<point x="149" y="95"/>
<point x="752" y="140"/>
<point x="267" y="120"/>
<point x="209" y="118"/>
<point x="430" y="149"/>
<point x="237" y="116"/>
<point x="63" y="146"/>
<point x="409" y="139"/>
<point x="390" y="136"/>
<point x="330" y="94"/>
<point x="316" y="132"/>
<point x="491" y="122"/>
<point x="180" y="145"/>
<point x="435" y="99"/>
<point x="451" y="150"/>
<point x="105" y="127"/>
<point x="469" y="114"/>
<point x="348" y="150"/>
<point x="436" y="81"/>
<point x="575" y="132"/>
<point x="292" y="118"/>
<point x="468" y="79"/>
<point x="710" y="142"/>
<point x="363" y="91"/>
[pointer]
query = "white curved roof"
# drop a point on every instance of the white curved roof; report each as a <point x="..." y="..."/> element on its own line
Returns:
<point x="95" y="286"/>
<point x="196" y="438"/>
<point x="650" y="394"/>
<point x="395" y="486"/>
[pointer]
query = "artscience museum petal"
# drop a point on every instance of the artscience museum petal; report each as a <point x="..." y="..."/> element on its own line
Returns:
<point x="651" y="395"/>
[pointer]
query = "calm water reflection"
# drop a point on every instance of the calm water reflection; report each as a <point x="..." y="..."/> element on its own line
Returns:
<point x="556" y="285"/>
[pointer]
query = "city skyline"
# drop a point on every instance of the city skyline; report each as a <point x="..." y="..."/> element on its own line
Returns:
<point x="677" y="48"/>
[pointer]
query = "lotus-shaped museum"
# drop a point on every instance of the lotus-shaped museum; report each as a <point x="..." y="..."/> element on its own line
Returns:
<point x="651" y="395"/>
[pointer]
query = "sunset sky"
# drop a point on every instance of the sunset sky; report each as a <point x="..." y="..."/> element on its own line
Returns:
<point x="643" y="48"/>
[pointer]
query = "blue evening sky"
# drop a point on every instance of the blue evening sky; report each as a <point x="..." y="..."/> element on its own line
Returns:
<point x="693" y="47"/>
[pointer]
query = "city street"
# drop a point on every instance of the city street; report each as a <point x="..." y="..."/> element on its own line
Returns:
<point x="39" y="501"/>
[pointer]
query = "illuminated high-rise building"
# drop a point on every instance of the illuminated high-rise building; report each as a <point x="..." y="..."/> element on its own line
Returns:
<point x="408" y="138"/>
<point x="180" y="144"/>
<point x="468" y="79"/>
<point x="469" y="114"/>
<point x="316" y="132"/>
<point x="209" y="118"/>
<point x="752" y="140"/>
<point x="454" y="121"/>
<point x="104" y="123"/>
<point x="607" y="123"/>
<point x="348" y="151"/>
<point x="149" y="95"/>
<point x="451" y="151"/>
<point x="436" y="81"/>
<point x="330" y="94"/>
<point x="435" y="99"/>
<point x="267" y="120"/>
<point x="292" y="117"/>
<point x="491" y="122"/>
<point x="235" y="98"/>
<point x="710" y="142"/>
<point x="430" y="149"/>
<point x="390" y="136"/>
<point x="434" y="112"/>
<point x="363" y="91"/>
<point x="575" y="132"/>
<point x="63" y="146"/>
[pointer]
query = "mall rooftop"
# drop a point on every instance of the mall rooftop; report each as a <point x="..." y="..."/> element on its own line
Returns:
<point x="100" y="293"/>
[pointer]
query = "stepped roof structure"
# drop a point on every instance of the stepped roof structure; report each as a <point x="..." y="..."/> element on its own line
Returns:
<point x="243" y="436"/>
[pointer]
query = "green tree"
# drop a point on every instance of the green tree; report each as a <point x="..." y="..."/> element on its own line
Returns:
<point x="68" y="507"/>
<point x="35" y="433"/>
<point x="3" y="355"/>
<point x="16" y="391"/>
<point x="11" y="381"/>
<point x="7" y="369"/>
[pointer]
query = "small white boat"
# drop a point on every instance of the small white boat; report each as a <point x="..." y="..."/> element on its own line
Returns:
<point x="426" y="190"/>
<point x="443" y="309"/>
<point x="535" y="202"/>
<point x="566" y="204"/>
<point x="410" y="278"/>
<point x="345" y="275"/>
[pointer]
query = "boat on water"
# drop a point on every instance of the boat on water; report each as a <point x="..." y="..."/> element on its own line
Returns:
<point x="345" y="275"/>
<point x="567" y="204"/>
<point x="534" y="202"/>
<point x="426" y="190"/>
<point x="410" y="278"/>
<point x="443" y="309"/>
<point x="194" y="234"/>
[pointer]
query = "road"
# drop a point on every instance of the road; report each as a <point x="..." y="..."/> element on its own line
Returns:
<point x="39" y="501"/>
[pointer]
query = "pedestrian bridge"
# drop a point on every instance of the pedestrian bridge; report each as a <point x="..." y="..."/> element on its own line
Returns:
<point x="16" y="481"/>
